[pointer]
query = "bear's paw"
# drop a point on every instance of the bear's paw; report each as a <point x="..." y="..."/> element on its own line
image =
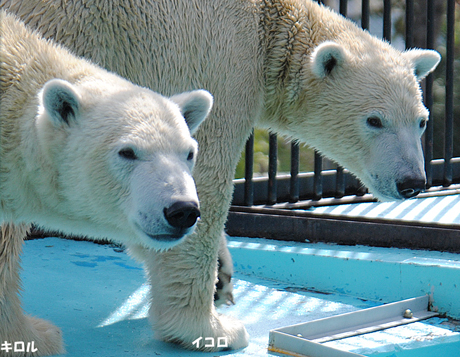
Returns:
<point x="38" y="338"/>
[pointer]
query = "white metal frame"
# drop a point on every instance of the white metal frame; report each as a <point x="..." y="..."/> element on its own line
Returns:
<point x="306" y="339"/>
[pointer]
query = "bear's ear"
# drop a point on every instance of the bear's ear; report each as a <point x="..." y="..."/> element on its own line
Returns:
<point x="195" y="107"/>
<point x="326" y="57"/>
<point x="60" y="101"/>
<point x="424" y="61"/>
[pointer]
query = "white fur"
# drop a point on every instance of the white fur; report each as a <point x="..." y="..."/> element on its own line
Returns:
<point x="80" y="124"/>
<point x="424" y="61"/>
<point x="109" y="195"/>
<point x="194" y="106"/>
<point x="256" y="58"/>
<point x="325" y="53"/>
<point x="64" y="124"/>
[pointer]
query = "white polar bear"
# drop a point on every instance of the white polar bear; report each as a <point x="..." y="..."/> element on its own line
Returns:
<point x="293" y="66"/>
<point x="86" y="152"/>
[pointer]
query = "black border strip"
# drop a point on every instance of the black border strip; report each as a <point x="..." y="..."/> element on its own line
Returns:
<point x="305" y="226"/>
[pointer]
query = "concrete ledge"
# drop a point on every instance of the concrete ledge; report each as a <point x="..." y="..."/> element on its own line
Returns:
<point x="377" y="274"/>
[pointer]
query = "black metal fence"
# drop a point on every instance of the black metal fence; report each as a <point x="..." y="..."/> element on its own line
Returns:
<point x="259" y="203"/>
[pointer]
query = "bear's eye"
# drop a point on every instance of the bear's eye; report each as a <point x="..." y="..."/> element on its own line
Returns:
<point x="190" y="156"/>
<point x="374" y="122"/>
<point x="128" y="154"/>
<point x="423" y="123"/>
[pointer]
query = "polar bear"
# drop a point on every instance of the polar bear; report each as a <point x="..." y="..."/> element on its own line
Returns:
<point x="86" y="152"/>
<point x="292" y="66"/>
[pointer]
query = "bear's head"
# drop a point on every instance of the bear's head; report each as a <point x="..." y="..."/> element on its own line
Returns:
<point x="363" y="108"/>
<point x="119" y="160"/>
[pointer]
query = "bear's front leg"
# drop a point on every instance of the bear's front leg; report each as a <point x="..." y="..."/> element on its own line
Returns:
<point x="19" y="332"/>
<point x="182" y="309"/>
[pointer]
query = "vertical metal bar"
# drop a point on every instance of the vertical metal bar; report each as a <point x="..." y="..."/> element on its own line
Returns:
<point x="272" y="167"/>
<point x="409" y="24"/>
<point x="365" y="14"/>
<point x="362" y="190"/>
<point x="448" y="148"/>
<point x="318" y="177"/>
<point x="387" y="20"/>
<point x="343" y="7"/>
<point x="339" y="177"/>
<point x="248" y="171"/>
<point x="339" y="183"/>
<point x="294" y="180"/>
<point x="428" y="95"/>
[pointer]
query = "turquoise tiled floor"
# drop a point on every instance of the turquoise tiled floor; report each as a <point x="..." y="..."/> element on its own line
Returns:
<point x="97" y="296"/>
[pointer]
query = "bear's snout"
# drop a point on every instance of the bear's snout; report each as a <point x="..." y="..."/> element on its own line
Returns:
<point x="411" y="187"/>
<point x="182" y="214"/>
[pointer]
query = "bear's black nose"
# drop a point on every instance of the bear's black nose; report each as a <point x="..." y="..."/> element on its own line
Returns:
<point x="411" y="187"/>
<point x="182" y="214"/>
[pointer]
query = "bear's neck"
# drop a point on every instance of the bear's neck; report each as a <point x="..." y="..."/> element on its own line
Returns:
<point x="290" y="32"/>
